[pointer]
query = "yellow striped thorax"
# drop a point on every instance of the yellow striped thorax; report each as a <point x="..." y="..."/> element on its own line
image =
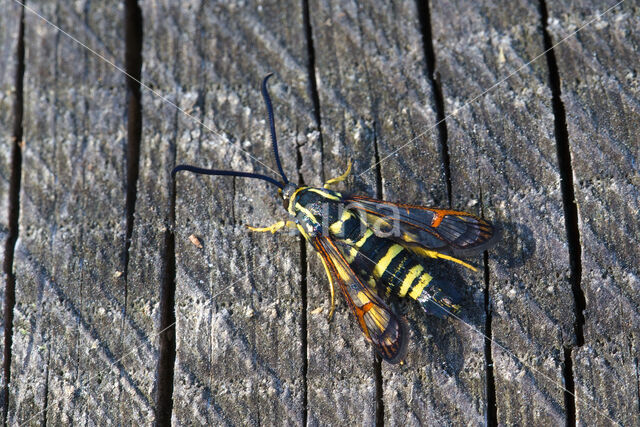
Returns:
<point x="314" y="209"/>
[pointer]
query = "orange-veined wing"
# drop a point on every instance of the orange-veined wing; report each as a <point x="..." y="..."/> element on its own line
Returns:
<point x="443" y="230"/>
<point x="387" y="332"/>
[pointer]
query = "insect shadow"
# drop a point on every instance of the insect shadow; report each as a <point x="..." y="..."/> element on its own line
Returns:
<point x="517" y="245"/>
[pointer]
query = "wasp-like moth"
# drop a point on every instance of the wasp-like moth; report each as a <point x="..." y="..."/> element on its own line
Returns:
<point x="367" y="244"/>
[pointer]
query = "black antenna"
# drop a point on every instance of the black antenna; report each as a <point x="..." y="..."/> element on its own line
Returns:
<point x="272" y="126"/>
<point x="203" y="171"/>
<point x="272" y="129"/>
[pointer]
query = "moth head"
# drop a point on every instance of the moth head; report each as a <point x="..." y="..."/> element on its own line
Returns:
<point x="286" y="192"/>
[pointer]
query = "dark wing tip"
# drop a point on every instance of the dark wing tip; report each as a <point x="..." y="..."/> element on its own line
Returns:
<point x="398" y="334"/>
<point x="484" y="238"/>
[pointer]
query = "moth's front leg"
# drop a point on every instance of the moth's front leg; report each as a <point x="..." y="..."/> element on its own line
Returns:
<point x="273" y="228"/>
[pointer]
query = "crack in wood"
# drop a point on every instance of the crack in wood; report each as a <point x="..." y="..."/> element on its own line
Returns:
<point x="377" y="360"/>
<point x="133" y="67"/>
<point x="167" y="336"/>
<point x="379" y="194"/>
<point x="315" y="98"/>
<point x="13" y="216"/>
<point x="566" y="180"/>
<point x="491" y="415"/>
<point x="305" y="304"/>
<point x="491" y="406"/>
<point x="313" y="81"/>
<point x="424" y="16"/>
<point x="638" y="382"/>
<point x="570" y="214"/>
<point x="569" y="388"/>
<point x="165" y="368"/>
<point x="377" y="366"/>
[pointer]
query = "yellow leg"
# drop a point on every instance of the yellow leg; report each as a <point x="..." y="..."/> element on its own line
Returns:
<point x="339" y="178"/>
<point x="435" y="254"/>
<point x="273" y="228"/>
<point x="331" y="288"/>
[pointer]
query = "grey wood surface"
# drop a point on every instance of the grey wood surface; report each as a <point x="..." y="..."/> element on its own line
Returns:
<point x="600" y="93"/>
<point x="69" y="323"/>
<point x="352" y="80"/>
<point x="9" y="22"/>
<point x="502" y="154"/>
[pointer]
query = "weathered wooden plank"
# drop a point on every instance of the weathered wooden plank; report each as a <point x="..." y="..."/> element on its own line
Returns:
<point x="86" y="349"/>
<point x="341" y="378"/>
<point x="68" y="313"/>
<point x="146" y="256"/>
<point x="599" y="75"/>
<point x="238" y="298"/>
<point x="503" y="155"/>
<point x="375" y="97"/>
<point x="9" y="23"/>
<point x="147" y="252"/>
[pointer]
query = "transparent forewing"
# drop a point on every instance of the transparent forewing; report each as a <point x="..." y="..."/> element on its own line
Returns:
<point x="386" y="331"/>
<point x="453" y="232"/>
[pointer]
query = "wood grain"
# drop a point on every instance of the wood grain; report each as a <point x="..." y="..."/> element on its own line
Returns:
<point x="238" y="300"/>
<point x="503" y="155"/>
<point x="65" y="350"/>
<point x="600" y="94"/>
<point x="9" y="35"/>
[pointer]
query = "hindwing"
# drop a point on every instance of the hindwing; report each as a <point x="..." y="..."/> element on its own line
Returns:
<point x="384" y="329"/>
